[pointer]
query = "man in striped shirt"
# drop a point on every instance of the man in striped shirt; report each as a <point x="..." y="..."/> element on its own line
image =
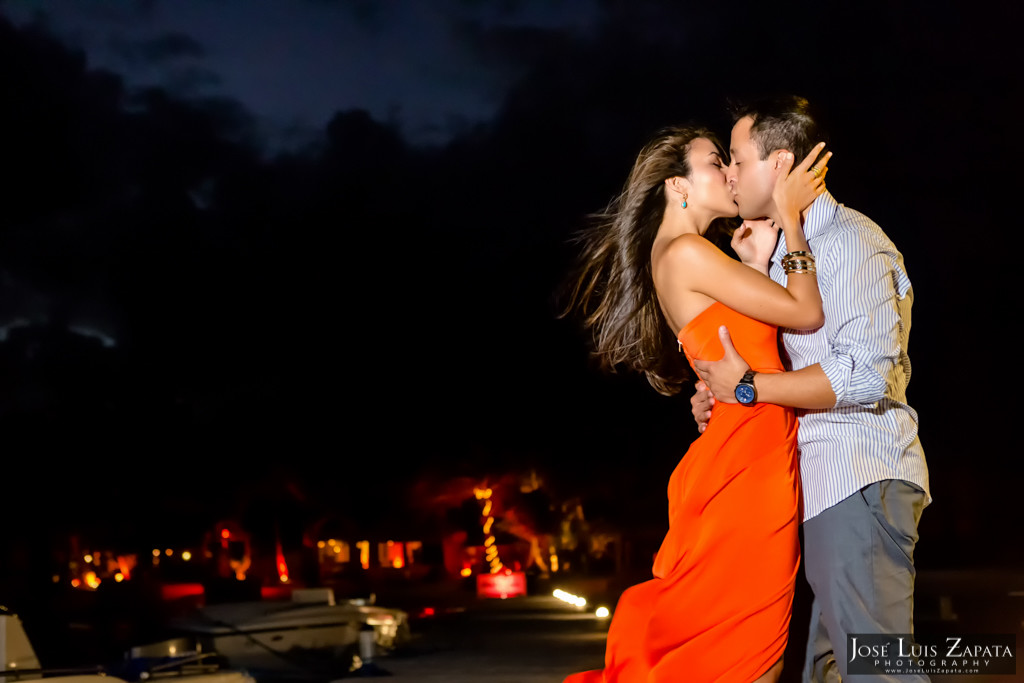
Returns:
<point x="862" y="467"/>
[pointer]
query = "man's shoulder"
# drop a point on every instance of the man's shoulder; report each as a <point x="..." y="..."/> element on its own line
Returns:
<point x="850" y="227"/>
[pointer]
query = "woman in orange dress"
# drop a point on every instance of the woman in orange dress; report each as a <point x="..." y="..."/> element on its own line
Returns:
<point x="651" y="285"/>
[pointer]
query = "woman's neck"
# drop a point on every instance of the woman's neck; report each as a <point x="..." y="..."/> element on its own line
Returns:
<point x="679" y="221"/>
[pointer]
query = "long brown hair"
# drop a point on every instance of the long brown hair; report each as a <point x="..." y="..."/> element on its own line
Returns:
<point x="612" y="288"/>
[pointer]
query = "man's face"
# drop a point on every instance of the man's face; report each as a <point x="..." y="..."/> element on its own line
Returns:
<point x="751" y="178"/>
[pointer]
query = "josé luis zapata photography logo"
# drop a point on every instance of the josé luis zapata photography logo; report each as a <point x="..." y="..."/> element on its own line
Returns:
<point x="900" y="653"/>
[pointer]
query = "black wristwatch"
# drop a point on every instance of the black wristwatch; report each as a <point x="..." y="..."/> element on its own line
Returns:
<point x="745" y="391"/>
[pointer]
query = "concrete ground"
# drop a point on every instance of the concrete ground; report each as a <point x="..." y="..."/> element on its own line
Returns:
<point x="539" y="639"/>
<point x="519" y="640"/>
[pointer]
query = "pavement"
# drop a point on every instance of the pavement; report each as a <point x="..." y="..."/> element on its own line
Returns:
<point x="536" y="639"/>
<point x="539" y="639"/>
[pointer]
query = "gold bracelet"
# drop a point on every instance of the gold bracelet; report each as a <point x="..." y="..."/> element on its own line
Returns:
<point x="797" y="263"/>
<point x="806" y="254"/>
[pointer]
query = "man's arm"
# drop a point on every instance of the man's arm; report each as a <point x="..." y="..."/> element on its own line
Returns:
<point x="862" y="324"/>
<point x="807" y="388"/>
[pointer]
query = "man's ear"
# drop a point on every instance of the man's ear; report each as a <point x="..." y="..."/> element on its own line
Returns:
<point x="776" y="158"/>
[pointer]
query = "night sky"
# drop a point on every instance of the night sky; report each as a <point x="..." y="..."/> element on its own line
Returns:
<point x="309" y="250"/>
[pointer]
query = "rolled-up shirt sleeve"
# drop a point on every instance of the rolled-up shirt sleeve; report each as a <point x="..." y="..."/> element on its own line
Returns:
<point x="861" y="289"/>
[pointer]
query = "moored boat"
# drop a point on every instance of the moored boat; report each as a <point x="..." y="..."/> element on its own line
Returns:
<point x="310" y="632"/>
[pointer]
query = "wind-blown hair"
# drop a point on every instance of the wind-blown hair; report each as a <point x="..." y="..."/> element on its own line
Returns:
<point x="782" y="122"/>
<point x="612" y="288"/>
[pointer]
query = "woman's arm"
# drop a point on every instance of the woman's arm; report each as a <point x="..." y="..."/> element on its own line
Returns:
<point x="694" y="264"/>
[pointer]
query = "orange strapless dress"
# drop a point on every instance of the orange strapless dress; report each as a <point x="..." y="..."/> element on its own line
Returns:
<point x="719" y="606"/>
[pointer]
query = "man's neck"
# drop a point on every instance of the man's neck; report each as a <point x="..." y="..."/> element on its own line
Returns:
<point x="777" y="217"/>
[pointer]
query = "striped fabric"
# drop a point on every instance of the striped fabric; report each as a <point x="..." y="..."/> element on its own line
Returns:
<point x="871" y="433"/>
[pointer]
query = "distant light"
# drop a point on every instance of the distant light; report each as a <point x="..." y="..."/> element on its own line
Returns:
<point x="119" y="577"/>
<point x="75" y="583"/>
<point x="88" y="559"/>
<point x="172" y="650"/>
<point x="224" y="533"/>
<point x="169" y="552"/>
<point x="91" y="580"/>
<point x="156" y="553"/>
<point x="321" y="544"/>
<point x="569" y="598"/>
<point x="466" y="571"/>
<point x="602" y="613"/>
<point x="56" y="578"/>
<point x="364" y="554"/>
<point x="186" y="555"/>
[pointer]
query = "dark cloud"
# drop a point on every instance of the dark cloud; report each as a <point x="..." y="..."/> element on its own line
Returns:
<point x="167" y="47"/>
<point x="109" y="12"/>
<point x="367" y="13"/>
<point x="192" y="80"/>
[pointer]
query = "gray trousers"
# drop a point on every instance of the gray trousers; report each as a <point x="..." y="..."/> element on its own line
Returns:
<point x="859" y="561"/>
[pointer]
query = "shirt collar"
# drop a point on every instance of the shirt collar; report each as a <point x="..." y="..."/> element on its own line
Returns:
<point x="823" y="210"/>
<point x="819" y="216"/>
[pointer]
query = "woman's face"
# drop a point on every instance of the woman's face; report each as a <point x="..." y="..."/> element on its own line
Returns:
<point x="710" y="189"/>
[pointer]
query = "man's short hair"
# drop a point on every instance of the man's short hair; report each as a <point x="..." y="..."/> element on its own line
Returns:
<point x="782" y="122"/>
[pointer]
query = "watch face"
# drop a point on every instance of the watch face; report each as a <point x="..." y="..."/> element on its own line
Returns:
<point x="745" y="393"/>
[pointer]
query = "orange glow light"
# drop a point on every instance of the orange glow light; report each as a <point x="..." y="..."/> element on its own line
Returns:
<point x="364" y="553"/>
<point x="466" y="571"/>
<point x="501" y="585"/>
<point x="125" y="564"/>
<point x="224" y="533"/>
<point x="282" y="564"/>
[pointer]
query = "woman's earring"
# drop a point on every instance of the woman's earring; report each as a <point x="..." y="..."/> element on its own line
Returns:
<point x="683" y="203"/>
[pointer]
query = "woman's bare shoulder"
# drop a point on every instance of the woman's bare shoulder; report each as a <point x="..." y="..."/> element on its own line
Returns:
<point x="688" y="248"/>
